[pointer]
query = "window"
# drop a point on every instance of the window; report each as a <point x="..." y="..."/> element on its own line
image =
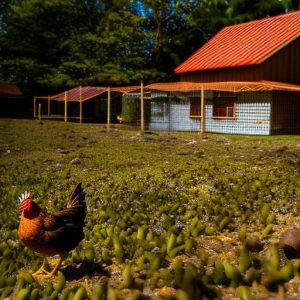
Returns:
<point x="159" y="108"/>
<point x="195" y="107"/>
<point x="224" y="107"/>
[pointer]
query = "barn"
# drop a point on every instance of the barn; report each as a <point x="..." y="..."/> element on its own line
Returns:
<point x="262" y="50"/>
<point x="11" y="99"/>
<point x="247" y="77"/>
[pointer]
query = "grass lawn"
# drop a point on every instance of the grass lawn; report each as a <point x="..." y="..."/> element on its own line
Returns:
<point x="170" y="215"/>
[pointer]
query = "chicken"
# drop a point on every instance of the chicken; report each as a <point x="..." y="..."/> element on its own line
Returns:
<point x="51" y="234"/>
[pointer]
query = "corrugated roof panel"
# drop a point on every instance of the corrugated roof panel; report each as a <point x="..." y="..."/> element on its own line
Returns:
<point x="85" y="93"/>
<point x="80" y="94"/>
<point x="244" y="44"/>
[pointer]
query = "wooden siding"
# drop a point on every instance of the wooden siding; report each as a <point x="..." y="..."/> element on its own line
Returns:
<point x="285" y="114"/>
<point x="282" y="66"/>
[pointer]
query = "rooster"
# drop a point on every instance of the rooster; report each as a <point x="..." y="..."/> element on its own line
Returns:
<point x="51" y="234"/>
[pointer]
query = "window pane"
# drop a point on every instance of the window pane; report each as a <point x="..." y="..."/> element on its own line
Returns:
<point x="195" y="106"/>
<point x="223" y="107"/>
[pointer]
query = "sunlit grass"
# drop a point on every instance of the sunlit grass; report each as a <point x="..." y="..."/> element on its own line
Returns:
<point x="163" y="203"/>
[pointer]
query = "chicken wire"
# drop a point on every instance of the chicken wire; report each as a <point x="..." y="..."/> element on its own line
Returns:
<point x="259" y="112"/>
<point x="230" y="107"/>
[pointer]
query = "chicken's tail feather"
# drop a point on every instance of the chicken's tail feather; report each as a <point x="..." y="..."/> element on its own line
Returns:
<point x="78" y="198"/>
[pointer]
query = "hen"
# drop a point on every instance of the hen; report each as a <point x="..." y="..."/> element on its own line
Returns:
<point x="51" y="234"/>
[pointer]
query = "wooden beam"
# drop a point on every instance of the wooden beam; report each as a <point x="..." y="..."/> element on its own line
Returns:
<point x="40" y="112"/>
<point x="142" y="107"/>
<point x="49" y="105"/>
<point x="80" y="105"/>
<point x="66" y="107"/>
<point x="34" y="107"/>
<point x="202" y="111"/>
<point x="108" y="107"/>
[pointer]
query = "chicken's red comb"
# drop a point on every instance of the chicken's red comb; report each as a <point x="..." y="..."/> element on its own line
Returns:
<point x="24" y="196"/>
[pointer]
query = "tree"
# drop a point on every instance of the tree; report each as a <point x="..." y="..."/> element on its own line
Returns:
<point x="248" y="10"/>
<point x="295" y="5"/>
<point x="55" y="44"/>
<point x="50" y="44"/>
<point x="177" y="28"/>
<point x="34" y="32"/>
<point x="165" y="26"/>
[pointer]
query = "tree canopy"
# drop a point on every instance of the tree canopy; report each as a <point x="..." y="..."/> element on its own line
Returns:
<point x="54" y="44"/>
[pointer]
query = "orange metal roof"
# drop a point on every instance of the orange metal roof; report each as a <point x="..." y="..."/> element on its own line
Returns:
<point x="9" y="89"/>
<point x="223" y="86"/>
<point x="244" y="44"/>
<point x="79" y="94"/>
<point x="85" y="93"/>
<point x="124" y="89"/>
<point x="88" y="92"/>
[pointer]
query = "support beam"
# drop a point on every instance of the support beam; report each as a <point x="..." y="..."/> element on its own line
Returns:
<point x="66" y="107"/>
<point x="202" y="111"/>
<point x="40" y="112"/>
<point x="34" y="107"/>
<point x="80" y="105"/>
<point x="142" y="107"/>
<point x="49" y="105"/>
<point x="108" y="107"/>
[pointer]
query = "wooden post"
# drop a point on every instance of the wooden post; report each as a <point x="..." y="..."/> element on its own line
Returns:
<point x="34" y="107"/>
<point x="48" y="105"/>
<point x="142" y="107"/>
<point x="202" y="111"/>
<point x="66" y="113"/>
<point x="40" y="111"/>
<point x="80" y="105"/>
<point x="108" y="107"/>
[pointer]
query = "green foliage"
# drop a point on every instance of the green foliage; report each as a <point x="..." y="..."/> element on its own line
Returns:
<point x="52" y="45"/>
<point x="243" y="11"/>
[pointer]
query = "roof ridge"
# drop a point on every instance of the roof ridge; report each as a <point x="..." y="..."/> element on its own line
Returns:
<point x="244" y="44"/>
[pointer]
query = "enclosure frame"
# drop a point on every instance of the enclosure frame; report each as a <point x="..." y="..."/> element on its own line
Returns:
<point x="82" y="94"/>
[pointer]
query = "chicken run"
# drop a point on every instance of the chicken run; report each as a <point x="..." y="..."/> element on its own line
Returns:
<point x="169" y="215"/>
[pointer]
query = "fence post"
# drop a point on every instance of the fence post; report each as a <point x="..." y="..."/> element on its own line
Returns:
<point x="34" y="107"/>
<point x="48" y="105"/>
<point x="108" y="108"/>
<point x="202" y="111"/>
<point x="142" y="107"/>
<point x="66" y="113"/>
<point x="80" y="105"/>
<point x="40" y="112"/>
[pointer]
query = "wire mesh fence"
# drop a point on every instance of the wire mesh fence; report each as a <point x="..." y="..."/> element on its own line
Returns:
<point x="260" y="108"/>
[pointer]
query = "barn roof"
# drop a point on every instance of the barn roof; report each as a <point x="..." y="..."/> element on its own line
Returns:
<point x="244" y="44"/>
<point x="10" y="89"/>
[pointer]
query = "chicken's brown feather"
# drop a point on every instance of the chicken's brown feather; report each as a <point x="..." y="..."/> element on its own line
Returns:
<point x="56" y="233"/>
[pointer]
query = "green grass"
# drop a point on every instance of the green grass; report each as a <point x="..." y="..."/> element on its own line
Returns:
<point x="175" y="207"/>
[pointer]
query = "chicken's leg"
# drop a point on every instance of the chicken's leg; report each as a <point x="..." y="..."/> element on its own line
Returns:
<point x="54" y="271"/>
<point x="47" y="275"/>
<point x="43" y="269"/>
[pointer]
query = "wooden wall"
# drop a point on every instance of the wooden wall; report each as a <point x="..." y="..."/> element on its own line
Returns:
<point x="285" y="113"/>
<point x="282" y="66"/>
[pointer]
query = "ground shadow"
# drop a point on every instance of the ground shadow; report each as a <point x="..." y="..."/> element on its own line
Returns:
<point x="78" y="271"/>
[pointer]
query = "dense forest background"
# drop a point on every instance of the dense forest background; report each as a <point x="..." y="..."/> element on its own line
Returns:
<point x="47" y="45"/>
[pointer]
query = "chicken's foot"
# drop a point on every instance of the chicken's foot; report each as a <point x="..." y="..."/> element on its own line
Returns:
<point x="44" y="269"/>
<point x="61" y="259"/>
<point x="48" y="275"/>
